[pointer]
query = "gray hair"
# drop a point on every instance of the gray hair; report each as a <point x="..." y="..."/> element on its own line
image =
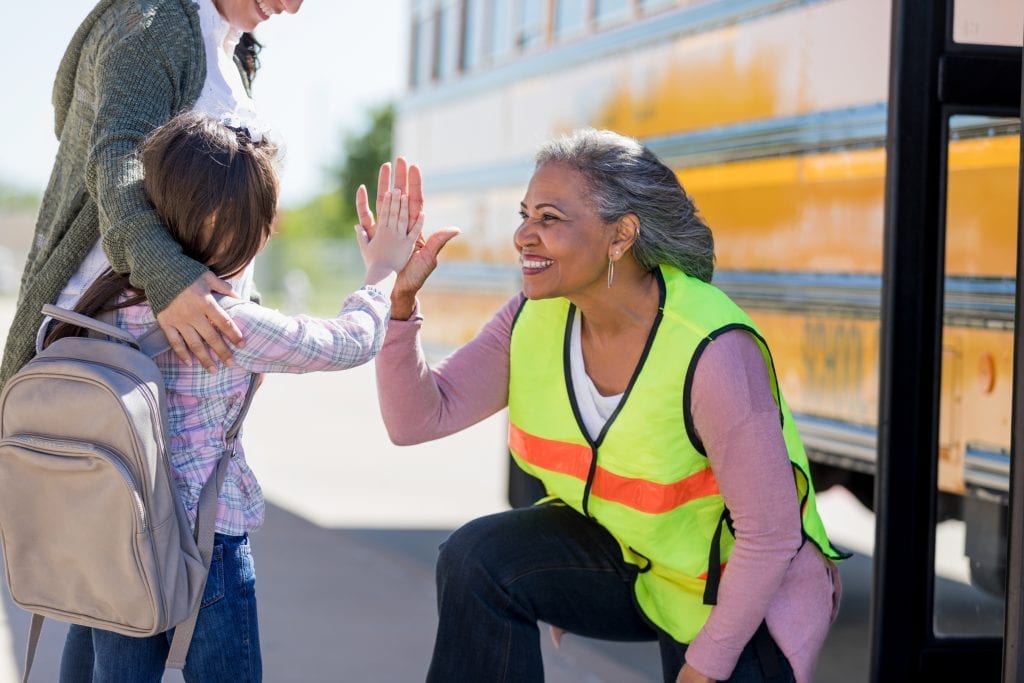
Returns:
<point x="625" y="177"/>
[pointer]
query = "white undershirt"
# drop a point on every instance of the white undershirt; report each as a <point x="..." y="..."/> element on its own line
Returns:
<point x="223" y="91"/>
<point x="594" y="408"/>
<point x="223" y="94"/>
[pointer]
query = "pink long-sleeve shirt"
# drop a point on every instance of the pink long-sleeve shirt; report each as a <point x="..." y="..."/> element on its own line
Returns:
<point x="772" y="574"/>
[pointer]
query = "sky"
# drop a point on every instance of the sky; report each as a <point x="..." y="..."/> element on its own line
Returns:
<point x="321" y="70"/>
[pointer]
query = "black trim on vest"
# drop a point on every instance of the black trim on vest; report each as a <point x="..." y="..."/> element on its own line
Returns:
<point x="515" y="318"/>
<point x="691" y="431"/>
<point x="567" y="377"/>
<point x="647" y="567"/>
<point x="714" y="553"/>
<point x="715" y="558"/>
<point x="832" y="552"/>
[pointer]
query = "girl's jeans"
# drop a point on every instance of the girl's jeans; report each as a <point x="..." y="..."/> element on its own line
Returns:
<point x="225" y="645"/>
<point x="499" y="575"/>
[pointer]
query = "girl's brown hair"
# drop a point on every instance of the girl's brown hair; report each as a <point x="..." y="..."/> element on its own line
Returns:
<point x="215" y="190"/>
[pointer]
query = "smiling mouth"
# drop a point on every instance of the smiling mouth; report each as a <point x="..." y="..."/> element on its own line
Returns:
<point x="534" y="265"/>
<point x="264" y="10"/>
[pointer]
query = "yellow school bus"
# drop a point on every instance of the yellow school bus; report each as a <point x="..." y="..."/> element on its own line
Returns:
<point x="773" y="113"/>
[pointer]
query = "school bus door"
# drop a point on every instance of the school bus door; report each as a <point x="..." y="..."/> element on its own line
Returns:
<point x="932" y="77"/>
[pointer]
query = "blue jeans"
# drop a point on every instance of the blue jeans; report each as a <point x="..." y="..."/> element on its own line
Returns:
<point x="225" y="645"/>
<point x="499" y="575"/>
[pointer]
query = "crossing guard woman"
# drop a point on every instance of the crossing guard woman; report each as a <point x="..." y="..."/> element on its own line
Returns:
<point x="679" y="506"/>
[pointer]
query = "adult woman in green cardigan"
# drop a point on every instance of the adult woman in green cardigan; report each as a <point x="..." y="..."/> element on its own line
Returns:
<point x="130" y="67"/>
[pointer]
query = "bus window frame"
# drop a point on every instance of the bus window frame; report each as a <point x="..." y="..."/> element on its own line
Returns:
<point x="931" y="79"/>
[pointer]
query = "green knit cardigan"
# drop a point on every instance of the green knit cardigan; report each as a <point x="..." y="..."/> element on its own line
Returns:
<point x="130" y="67"/>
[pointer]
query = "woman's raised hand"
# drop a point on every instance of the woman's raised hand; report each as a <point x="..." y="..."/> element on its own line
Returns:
<point x="421" y="264"/>
<point x="424" y="255"/>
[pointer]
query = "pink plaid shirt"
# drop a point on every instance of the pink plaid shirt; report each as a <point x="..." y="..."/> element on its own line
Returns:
<point x="202" y="406"/>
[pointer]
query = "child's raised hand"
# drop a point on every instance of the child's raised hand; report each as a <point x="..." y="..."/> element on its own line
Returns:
<point x="408" y="179"/>
<point x="387" y="250"/>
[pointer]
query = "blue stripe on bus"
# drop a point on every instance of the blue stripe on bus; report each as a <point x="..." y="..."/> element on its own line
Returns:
<point x="855" y="447"/>
<point x="969" y="302"/>
<point x="986" y="468"/>
<point x="817" y="132"/>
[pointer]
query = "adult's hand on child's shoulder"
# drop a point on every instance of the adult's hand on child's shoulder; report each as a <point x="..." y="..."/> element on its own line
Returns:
<point x="195" y="323"/>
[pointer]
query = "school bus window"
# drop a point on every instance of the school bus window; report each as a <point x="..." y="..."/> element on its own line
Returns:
<point x="472" y="32"/>
<point x="422" y="50"/>
<point x="499" y="23"/>
<point x="977" y="370"/>
<point x="530" y="24"/>
<point x="607" y="12"/>
<point x="447" y="42"/>
<point x="989" y="22"/>
<point x="414" y="39"/>
<point x="570" y="18"/>
<point x="649" y="6"/>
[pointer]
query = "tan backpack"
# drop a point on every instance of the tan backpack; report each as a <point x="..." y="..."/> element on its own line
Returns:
<point x="92" y="526"/>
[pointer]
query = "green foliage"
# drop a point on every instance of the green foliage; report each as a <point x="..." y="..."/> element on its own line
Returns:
<point x="309" y="275"/>
<point x="313" y="261"/>
<point x="16" y="199"/>
<point x="325" y="216"/>
<point x="333" y="214"/>
<point x="364" y="152"/>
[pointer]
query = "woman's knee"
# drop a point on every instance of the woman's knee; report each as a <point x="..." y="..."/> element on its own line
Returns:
<point x="470" y="549"/>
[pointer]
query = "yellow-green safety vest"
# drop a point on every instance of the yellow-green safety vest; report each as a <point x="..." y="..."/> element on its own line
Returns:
<point x="645" y="478"/>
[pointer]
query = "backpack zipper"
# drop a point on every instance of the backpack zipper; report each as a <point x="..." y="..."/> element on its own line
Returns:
<point x="105" y="454"/>
<point x="154" y="408"/>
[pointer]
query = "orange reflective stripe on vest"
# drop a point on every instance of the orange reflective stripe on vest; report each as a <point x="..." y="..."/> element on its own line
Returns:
<point x="640" y="494"/>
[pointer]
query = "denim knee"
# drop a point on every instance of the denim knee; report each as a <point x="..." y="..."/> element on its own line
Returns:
<point x="465" y="552"/>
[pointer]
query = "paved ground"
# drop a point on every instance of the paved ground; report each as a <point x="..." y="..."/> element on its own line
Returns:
<point x="345" y="560"/>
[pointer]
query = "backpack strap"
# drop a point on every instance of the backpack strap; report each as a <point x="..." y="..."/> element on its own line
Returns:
<point x="152" y="343"/>
<point x="206" y="519"/>
<point x="33" y="640"/>
<point x="91" y="324"/>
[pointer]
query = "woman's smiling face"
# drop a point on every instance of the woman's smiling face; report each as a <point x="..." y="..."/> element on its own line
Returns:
<point x="563" y="244"/>
<point x="246" y="15"/>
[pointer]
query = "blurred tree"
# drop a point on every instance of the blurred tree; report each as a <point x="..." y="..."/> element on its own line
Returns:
<point x="13" y="198"/>
<point x="364" y="153"/>
<point x="315" y="245"/>
<point x="333" y="214"/>
<point x="324" y="216"/>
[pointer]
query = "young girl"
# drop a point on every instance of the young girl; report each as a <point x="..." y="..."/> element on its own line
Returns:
<point x="215" y="188"/>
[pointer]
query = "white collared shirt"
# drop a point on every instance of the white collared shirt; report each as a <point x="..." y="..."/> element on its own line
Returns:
<point x="223" y="94"/>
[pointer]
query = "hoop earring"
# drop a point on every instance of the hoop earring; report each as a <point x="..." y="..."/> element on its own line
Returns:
<point x="611" y="272"/>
